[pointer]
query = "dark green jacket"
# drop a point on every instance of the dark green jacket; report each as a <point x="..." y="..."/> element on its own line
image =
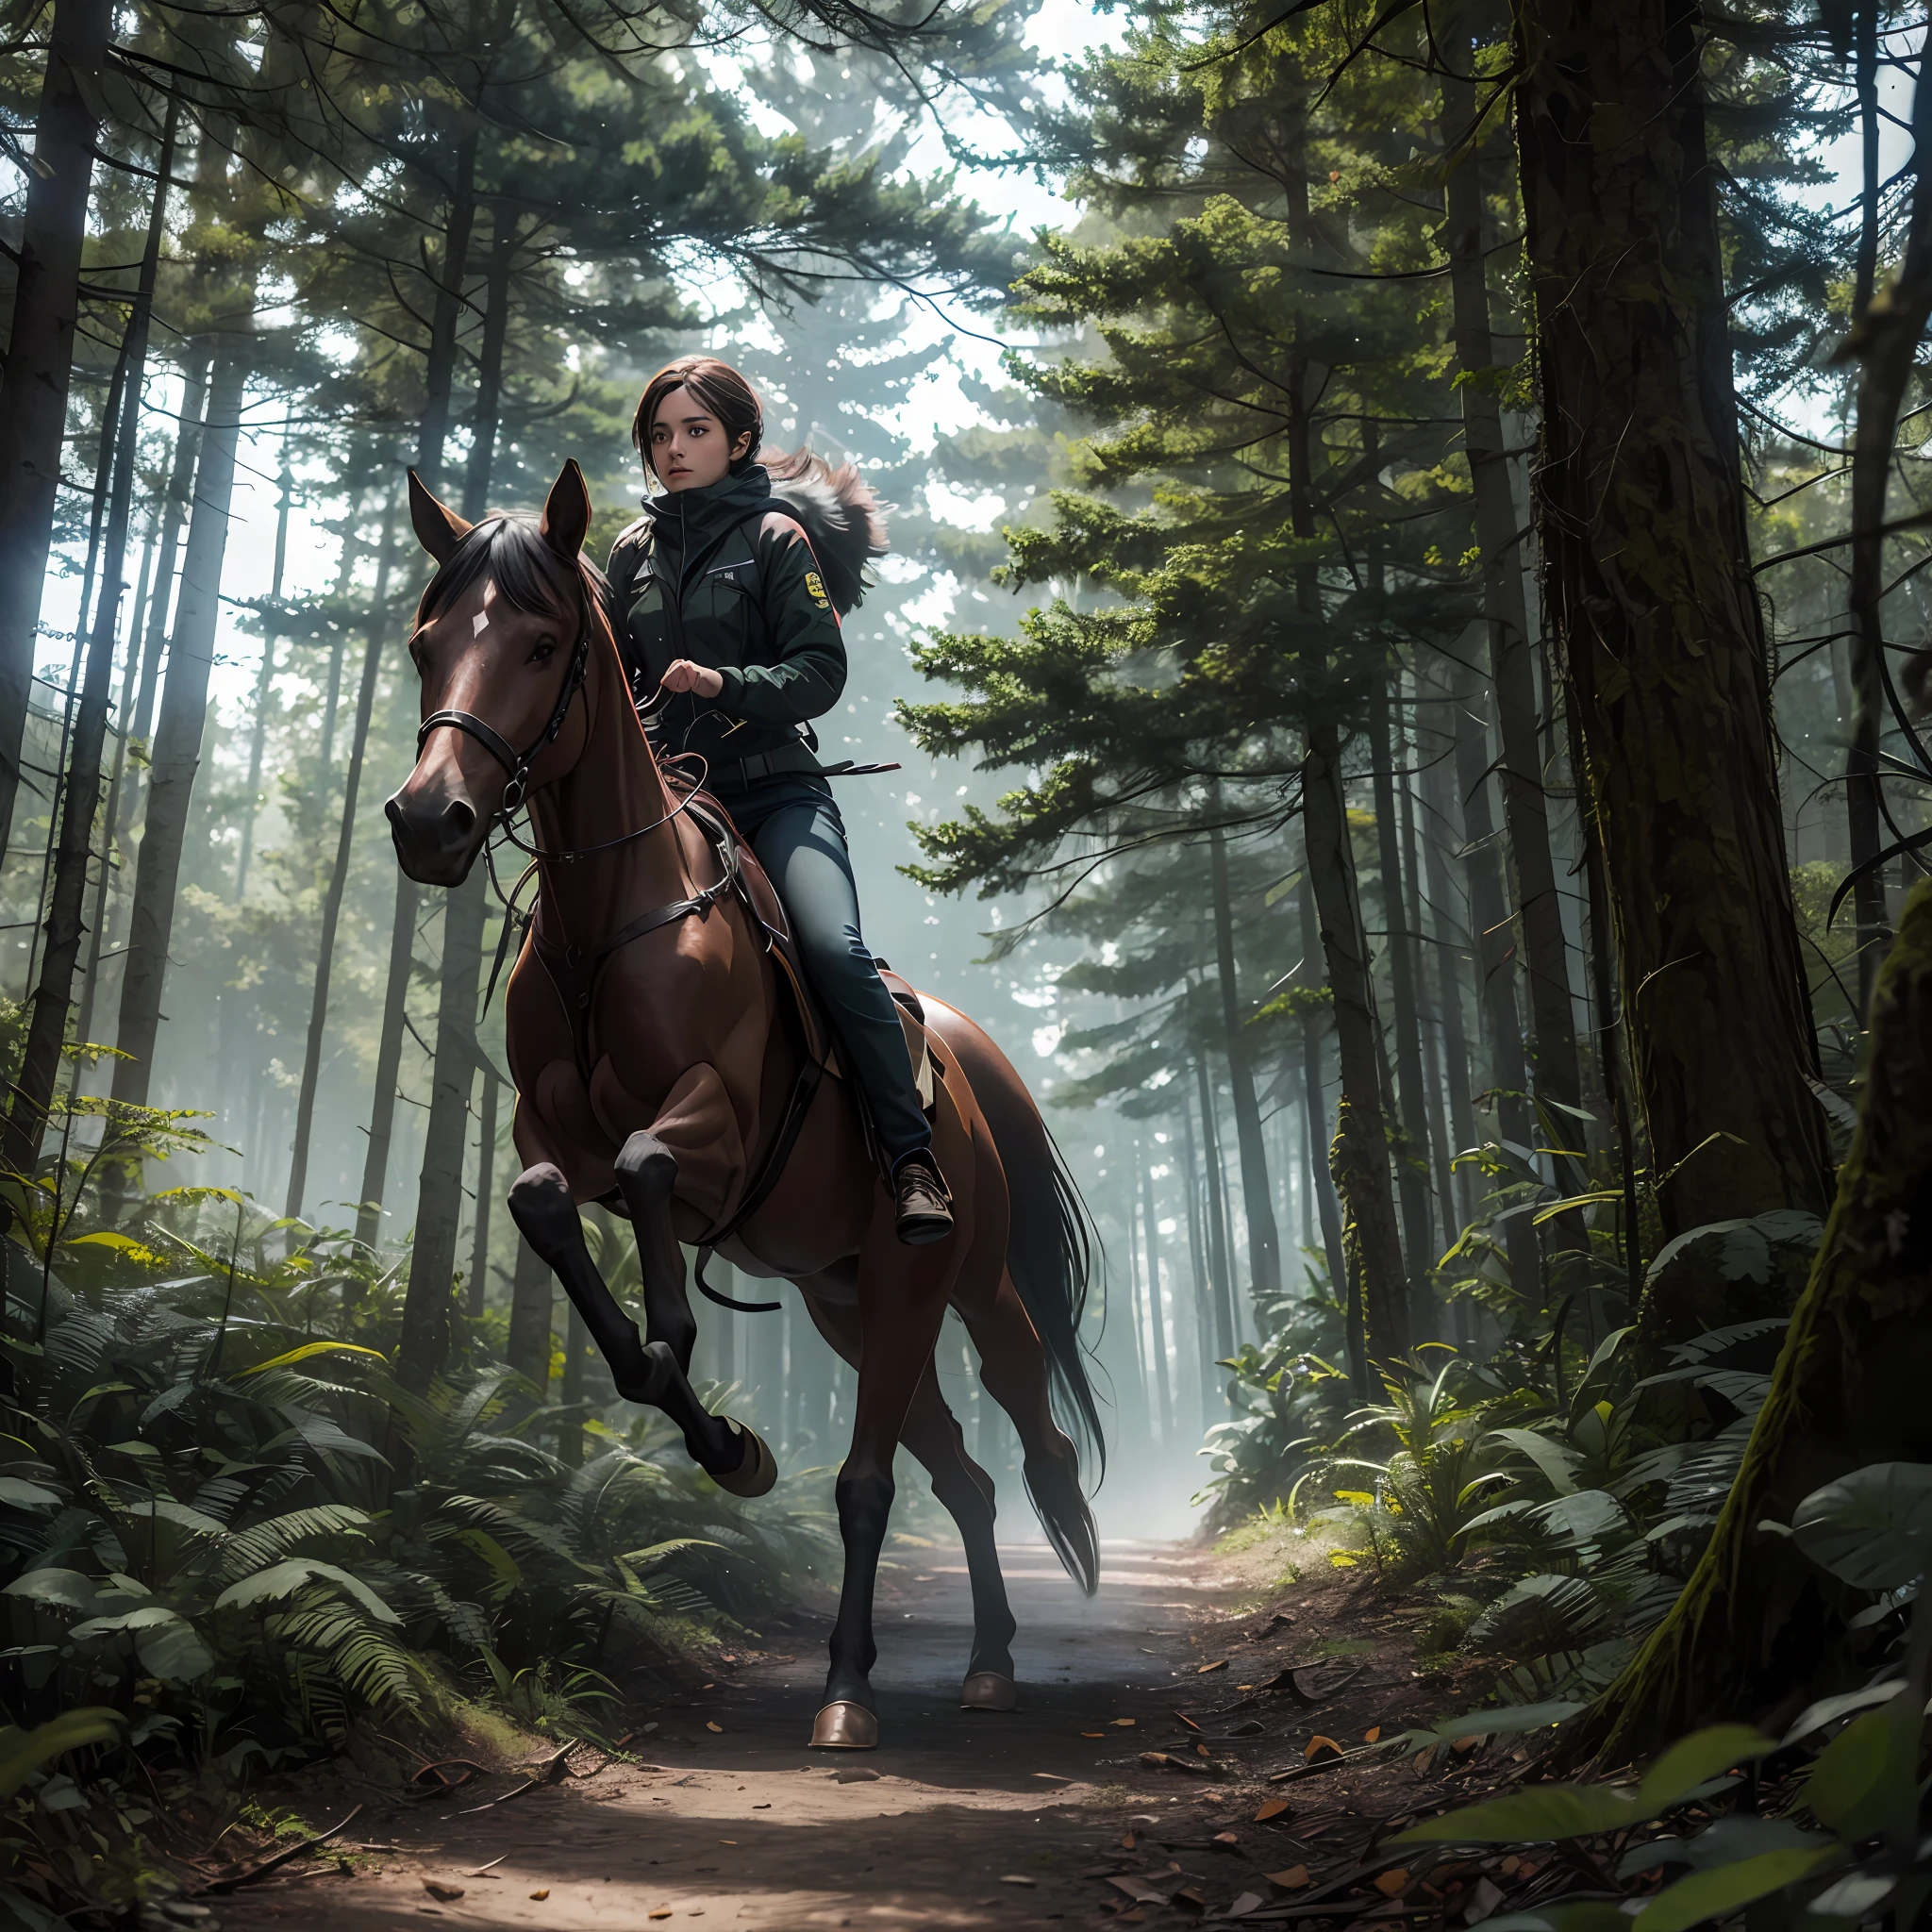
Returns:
<point x="753" y="606"/>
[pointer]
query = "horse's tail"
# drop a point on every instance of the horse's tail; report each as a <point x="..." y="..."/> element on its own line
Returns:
<point x="1051" y="1246"/>
<point x="1050" y="1254"/>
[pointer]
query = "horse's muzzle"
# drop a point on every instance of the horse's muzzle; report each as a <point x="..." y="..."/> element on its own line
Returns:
<point x="437" y="836"/>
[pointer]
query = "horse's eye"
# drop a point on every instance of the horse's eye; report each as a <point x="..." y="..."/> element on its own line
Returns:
<point x="544" y="649"/>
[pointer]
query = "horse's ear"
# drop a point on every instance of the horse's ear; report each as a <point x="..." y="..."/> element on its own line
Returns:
<point x="567" y="513"/>
<point x="438" y="528"/>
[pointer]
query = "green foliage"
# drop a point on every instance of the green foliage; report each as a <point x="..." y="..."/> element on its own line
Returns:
<point x="224" y="1520"/>
<point x="1820" y="1836"/>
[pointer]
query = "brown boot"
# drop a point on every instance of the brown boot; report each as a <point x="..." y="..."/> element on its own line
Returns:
<point x="925" y="1209"/>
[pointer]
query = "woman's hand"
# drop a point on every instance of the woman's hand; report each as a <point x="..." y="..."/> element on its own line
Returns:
<point x="685" y="676"/>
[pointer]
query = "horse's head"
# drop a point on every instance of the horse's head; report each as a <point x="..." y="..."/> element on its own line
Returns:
<point x="501" y="644"/>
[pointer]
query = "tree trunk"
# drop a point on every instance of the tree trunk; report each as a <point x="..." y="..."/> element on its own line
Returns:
<point x="1540" y="912"/>
<point x="110" y="818"/>
<point x="176" y="755"/>
<point x="1865" y="643"/>
<point x="486" y="1182"/>
<point x="40" y="1067"/>
<point x="1359" y="1156"/>
<point x="446" y="314"/>
<point x="195" y="364"/>
<point x="1156" y="1313"/>
<point x="485" y="417"/>
<point x="1448" y="948"/>
<point x="1315" y="1097"/>
<point x="1211" y="1298"/>
<point x="389" y="1058"/>
<point x="1753" y="1624"/>
<point x="339" y="876"/>
<point x="1648" y="587"/>
<point x="1218" y="1260"/>
<point x="271" y="637"/>
<point x="40" y="354"/>
<point x="1414" y="1182"/>
<point x="1508" y="1070"/>
<point x="440" y="1196"/>
<point x="1430" y="1019"/>
<point x="1264" y="1250"/>
<point x="532" y="1293"/>
<point x="1886" y="342"/>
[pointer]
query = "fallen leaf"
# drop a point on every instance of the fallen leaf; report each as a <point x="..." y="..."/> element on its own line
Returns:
<point x="1155" y="1757"/>
<point x="1014" y="1878"/>
<point x="1422" y="1759"/>
<point x="1509" y="1865"/>
<point x="1527" y="1868"/>
<point x="1139" y="1891"/>
<point x="1189" y="1894"/>
<point x="1220" y="1663"/>
<point x="728" y="1840"/>
<point x="1320" y="1746"/>
<point x="1483" y="1901"/>
<point x="1226" y="1841"/>
<point x="1292" y="1880"/>
<point x="1390" y="1883"/>
<point x="436" y="1888"/>
<point x="1122" y="1722"/>
<point x="1094" y="1734"/>
<point x="540" y="1896"/>
<point x="1127" y="1843"/>
<point x="760" y="1807"/>
<point x="663" y="1912"/>
<point x="1056" y="1777"/>
<point x="854" y="1774"/>
<point x="1272" y="1807"/>
<point x="1245" y="1905"/>
<point x="710" y="1726"/>
<point x="1182" y="1718"/>
<point x="1370" y="1735"/>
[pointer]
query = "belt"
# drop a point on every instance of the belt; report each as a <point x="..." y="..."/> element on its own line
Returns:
<point x="768" y="764"/>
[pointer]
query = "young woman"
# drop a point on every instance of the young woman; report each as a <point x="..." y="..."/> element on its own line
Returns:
<point x="725" y="603"/>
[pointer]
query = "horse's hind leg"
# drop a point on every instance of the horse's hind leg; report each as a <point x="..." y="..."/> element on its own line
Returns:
<point x="731" y="1455"/>
<point x="966" y="1494"/>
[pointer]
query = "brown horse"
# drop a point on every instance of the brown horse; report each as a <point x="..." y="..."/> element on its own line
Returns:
<point x="659" y="1068"/>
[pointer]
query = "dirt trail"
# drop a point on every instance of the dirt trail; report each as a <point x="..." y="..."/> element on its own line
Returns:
<point x="958" y="1820"/>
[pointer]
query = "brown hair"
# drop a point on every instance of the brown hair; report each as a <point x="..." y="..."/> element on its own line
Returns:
<point x="725" y="395"/>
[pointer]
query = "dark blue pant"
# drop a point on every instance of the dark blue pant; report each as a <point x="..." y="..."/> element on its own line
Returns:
<point x="794" y="827"/>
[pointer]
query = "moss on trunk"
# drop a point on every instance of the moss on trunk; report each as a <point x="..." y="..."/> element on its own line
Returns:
<point x="1849" y="1389"/>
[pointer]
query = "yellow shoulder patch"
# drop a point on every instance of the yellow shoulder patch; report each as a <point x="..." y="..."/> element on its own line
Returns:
<point x="816" y="586"/>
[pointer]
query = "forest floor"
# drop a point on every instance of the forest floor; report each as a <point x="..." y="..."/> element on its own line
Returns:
<point x="1049" y="1815"/>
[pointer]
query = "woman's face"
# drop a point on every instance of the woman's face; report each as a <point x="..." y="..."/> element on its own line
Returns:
<point x="689" y="449"/>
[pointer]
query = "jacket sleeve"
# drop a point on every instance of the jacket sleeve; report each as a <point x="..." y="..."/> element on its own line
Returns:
<point x="807" y="669"/>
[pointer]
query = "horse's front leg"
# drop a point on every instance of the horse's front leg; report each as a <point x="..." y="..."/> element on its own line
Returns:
<point x="547" y="1218"/>
<point x="731" y="1455"/>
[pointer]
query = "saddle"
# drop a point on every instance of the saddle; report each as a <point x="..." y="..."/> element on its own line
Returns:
<point x="761" y="898"/>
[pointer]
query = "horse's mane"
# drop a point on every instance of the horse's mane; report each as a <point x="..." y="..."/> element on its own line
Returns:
<point x="530" y="575"/>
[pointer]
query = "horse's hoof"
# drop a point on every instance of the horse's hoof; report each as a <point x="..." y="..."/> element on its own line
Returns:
<point x="755" y="1473"/>
<point x="988" y="1690"/>
<point x="845" y="1727"/>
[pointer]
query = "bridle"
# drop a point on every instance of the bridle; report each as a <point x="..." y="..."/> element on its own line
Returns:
<point x="517" y="764"/>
